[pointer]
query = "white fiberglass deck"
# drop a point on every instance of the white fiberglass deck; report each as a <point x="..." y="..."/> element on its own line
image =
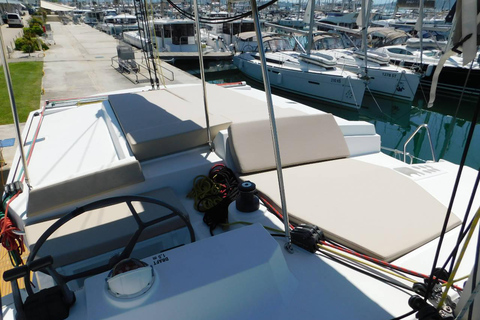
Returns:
<point x="246" y="271"/>
<point x="74" y="141"/>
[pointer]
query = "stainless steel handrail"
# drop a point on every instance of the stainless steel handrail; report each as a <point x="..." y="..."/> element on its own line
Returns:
<point x="413" y="135"/>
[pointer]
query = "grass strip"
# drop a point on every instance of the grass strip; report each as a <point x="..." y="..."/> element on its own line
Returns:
<point x="27" y="86"/>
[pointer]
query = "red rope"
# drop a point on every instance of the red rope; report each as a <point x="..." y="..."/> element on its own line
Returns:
<point x="9" y="239"/>
<point x="384" y="263"/>
<point x="275" y="211"/>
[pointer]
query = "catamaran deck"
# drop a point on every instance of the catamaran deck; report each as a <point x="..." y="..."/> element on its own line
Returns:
<point x="124" y="141"/>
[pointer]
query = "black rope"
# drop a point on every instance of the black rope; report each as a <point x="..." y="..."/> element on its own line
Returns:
<point x="146" y="43"/>
<point x="404" y="315"/>
<point x="474" y="276"/>
<point x="450" y="205"/>
<point x="228" y="182"/>
<point x="463" y="230"/>
<point x="396" y="285"/>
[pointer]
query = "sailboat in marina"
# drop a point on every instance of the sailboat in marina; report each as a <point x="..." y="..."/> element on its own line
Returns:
<point x="295" y="72"/>
<point x="380" y="76"/>
<point x="195" y="201"/>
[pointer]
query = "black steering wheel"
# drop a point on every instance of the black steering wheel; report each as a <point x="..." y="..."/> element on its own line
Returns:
<point x="63" y="279"/>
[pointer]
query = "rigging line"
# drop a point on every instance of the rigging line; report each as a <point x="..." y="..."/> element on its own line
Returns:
<point x="149" y="43"/>
<point x="452" y="198"/>
<point x="467" y="229"/>
<point x="153" y="35"/>
<point x="462" y="233"/>
<point x="140" y="14"/>
<point x="464" y="248"/>
<point x="449" y="134"/>
<point x="399" y="286"/>
<point x="474" y="278"/>
<point x="403" y="316"/>
<point x="381" y="262"/>
<point x="322" y="247"/>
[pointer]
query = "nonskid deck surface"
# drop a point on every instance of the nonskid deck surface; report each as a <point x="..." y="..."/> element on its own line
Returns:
<point x="305" y="273"/>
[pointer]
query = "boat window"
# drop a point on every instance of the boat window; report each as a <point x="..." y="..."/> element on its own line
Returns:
<point x="181" y="32"/>
<point x="236" y="28"/>
<point x="400" y="40"/>
<point x="329" y="43"/>
<point x="277" y="45"/>
<point x="167" y="30"/>
<point x="399" y="51"/>
<point x="430" y="53"/>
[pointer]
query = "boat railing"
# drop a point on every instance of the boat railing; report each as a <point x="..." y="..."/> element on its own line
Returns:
<point x="172" y="74"/>
<point x="131" y="67"/>
<point x="422" y="126"/>
<point x="398" y="154"/>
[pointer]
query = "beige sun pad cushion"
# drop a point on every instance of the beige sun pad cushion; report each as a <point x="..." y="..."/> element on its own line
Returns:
<point x="159" y="123"/>
<point x="302" y="139"/>
<point x="368" y="208"/>
<point x="43" y="199"/>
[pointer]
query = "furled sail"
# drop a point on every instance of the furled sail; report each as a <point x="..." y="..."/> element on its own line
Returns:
<point x="464" y="39"/>
<point x="466" y="32"/>
<point x="306" y="16"/>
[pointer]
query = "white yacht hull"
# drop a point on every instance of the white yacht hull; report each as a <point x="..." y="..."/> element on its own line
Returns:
<point x="329" y="86"/>
<point x="394" y="82"/>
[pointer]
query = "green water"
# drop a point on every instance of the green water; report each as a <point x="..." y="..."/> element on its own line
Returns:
<point x="394" y="121"/>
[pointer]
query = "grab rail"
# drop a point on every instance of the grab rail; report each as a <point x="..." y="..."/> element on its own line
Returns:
<point x="413" y="135"/>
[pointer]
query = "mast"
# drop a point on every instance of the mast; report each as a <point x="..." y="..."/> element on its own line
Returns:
<point x="311" y="3"/>
<point x="364" y="21"/>
<point x="420" y="18"/>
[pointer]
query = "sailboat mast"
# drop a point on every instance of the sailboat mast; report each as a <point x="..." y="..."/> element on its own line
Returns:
<point x="311" y="25"/>
<point x="420" y="31"/>
<point x="364" y="15"/>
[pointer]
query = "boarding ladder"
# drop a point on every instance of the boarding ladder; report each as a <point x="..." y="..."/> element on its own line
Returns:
<point x="423" y="126"/>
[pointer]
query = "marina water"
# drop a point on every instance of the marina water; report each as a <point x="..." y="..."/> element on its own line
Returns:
<point x="395" y="121"/>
